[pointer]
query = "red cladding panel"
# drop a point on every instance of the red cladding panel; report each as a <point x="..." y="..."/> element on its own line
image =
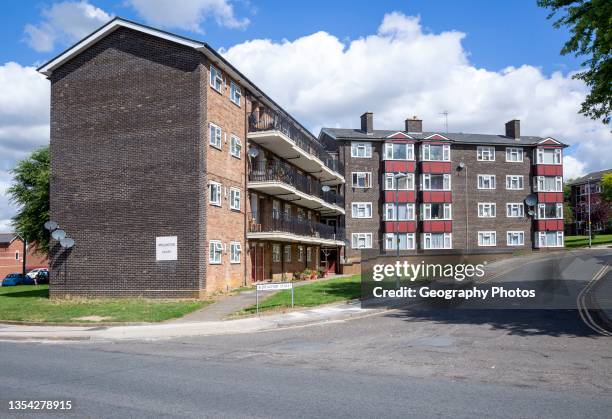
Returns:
<point x="549" y="170"/>
<point x="402" y="196"/>
<point x="437" y="196"/>
<point x="436" y="167"/>
<point x="549" y="225"/>
<point x="399" y="166"/>
<point x="399" y="226"/>
<point x="549" y="197"/>
<point x="437" y="226"/>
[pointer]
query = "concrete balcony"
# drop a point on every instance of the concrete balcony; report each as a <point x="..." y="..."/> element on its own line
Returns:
<point x="283" y="228"/>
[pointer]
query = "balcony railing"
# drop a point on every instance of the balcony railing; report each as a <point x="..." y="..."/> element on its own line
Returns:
<point x="267" y="120"/>
<point x="283" y="223"/>
<point x="276" y="170"/>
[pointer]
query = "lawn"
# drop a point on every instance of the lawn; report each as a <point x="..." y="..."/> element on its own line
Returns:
<point x="31" y="303"/>
<point x="314" y="294"/>
<point x="582" y="241"/>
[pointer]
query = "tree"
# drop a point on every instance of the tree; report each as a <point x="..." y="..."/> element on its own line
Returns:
<point x="30" y="191"/>
<point x="568" y="214"/>
<point x="606" y="187"/>
<point x="590" y="24"/>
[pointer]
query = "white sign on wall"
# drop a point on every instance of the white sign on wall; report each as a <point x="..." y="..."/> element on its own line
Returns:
<point x="166" y="248"/>
<point x="275" y="286"/>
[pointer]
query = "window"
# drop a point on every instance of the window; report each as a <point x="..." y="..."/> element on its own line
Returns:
<point x="214" y="193"/>
<point x="215" y="251"/>
<point x="486" y="210"/>
<point x="404" y="241"/>
<point x="514" y="154"/>
<point x="235" y="251"/>
<point x="405" y="212"/>
<point x="287" y="212"/>
<point x="437" y="240"/>
<point x="362" y="210"/>
<point x="276" y="253"/>
<point x="361" y="150"/>
<point x="216" y="80"/>
<point x="276" y="212"/>
<point x="486" y="181"/>
<point x="235" y="93"/>
<point x="404" y="183"/>
<point x="514" y="210"/>
<point x="17" y="255"/>
<point x="436" y="212"/>
<point x="549" y="238"/>
<point x="361" y="240"/>
<point x="436" y="152"/>
<point x="550" y="211"/>
<point x="300" y="255"/>
<point x="515" y="238"/>
<point x="484" y="153"/>
<point x="309" y="254"/>
<point x="398" y="151"/>
<point x="235" y="199"/>
<point x="362" y="180"/>
<point x="215" y="135"/>
<point x="287" y="253"/>
<point x="235" y="146"/>
<point x="548" y="155"/>
<point x="431" y="182"/>
<point x="514" y="182"/>
<point x="487" y="238"/>
<point x="548" y="183"/>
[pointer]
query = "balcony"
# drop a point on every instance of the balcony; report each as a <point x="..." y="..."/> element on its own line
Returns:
<point x="278" y="178"/>
<point x="284" y="228"/>
<point x="282" y="136"/>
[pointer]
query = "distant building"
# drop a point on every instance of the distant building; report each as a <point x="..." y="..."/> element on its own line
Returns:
<point x="11" y="255"/>
<point x="579" y="201"/>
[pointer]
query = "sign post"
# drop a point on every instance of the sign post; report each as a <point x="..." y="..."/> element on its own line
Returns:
<point x="274" y="286"/>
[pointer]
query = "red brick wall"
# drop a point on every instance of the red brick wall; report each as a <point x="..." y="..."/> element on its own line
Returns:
<point x="9" y="263"/>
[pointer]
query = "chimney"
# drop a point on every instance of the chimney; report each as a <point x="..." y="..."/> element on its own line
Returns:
<point x="367" y="122"/>
<point x="414" y="125"/>
<point x="513" y="129"/>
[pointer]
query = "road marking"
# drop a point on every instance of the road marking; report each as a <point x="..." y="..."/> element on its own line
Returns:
<point x="583" y="310"/>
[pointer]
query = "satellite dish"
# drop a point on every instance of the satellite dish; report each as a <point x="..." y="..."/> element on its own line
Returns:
<point x="50" y="225"/>
<point x="253" y="152"/>
<point x="531" y="199"/>
<point x="461" y="165"/>
<point x="58" y="234"/>
<point x="66" y="242"/>
<point x="325" y="188"/>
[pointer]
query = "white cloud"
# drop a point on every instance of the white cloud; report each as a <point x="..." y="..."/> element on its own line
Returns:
<point x="189" y="15"/>
<point x="65" y="22"/>
<point x="572" y="168"/>
<point x="403" y="71"/>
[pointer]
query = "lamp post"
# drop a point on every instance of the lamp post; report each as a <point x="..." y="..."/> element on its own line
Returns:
<point x="463" y="166"/>
<point x="396" y="178"/>
<point x="589" y="195"/>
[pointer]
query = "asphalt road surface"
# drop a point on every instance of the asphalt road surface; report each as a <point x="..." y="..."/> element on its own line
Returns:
<point x="405" y="363"/>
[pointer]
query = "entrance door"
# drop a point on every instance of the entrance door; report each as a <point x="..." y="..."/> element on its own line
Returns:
<point x="257" y="262"/>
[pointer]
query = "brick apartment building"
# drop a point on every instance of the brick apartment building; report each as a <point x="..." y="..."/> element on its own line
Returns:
<point x="601" y="211"/>
<point x="176" y="175"/>
<point x="454" y="190"/>
<point x="12" y="252"/>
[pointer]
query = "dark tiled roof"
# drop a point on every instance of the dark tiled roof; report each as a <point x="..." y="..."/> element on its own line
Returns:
<point x="6" y="238"/>
<point x="379" y="134"/>
<point x="594" y="176"/>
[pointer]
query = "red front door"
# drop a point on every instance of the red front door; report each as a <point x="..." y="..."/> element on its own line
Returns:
<point x="257" y="262"/>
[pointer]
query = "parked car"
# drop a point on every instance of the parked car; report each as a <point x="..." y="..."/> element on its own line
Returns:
<point x="17" y="279"/>
<point x="32" y="274"/>
<point x="42" y="277"/>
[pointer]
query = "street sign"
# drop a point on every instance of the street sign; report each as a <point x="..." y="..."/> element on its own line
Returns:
<point x="274" y="286"/>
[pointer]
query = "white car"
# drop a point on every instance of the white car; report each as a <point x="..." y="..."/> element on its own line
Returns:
<point x="32" y="274"/>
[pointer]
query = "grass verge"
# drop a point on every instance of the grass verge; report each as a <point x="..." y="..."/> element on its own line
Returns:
<point x="31" y="303"/>
<point x="310" y="295"/>
<point x="582" y="241"/>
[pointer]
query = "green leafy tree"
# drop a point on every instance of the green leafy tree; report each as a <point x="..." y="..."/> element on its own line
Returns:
<point x="606" y="187"/>
<point x="590" y="24"/>
<point x="568" y="214"/>
<point x="30" y="191"/>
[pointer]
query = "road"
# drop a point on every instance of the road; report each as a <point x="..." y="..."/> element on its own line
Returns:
<point x="403" y="363"/>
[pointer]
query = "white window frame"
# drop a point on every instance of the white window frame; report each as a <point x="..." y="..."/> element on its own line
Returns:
<point x="287" y="252"/>
<point x="447" y="241"/>
<point x="426" y="212"/>
<point x="235" y="146"/>
<point x="235" y="196"/>
<point x="216" y="139"/>
<point x="357" y="207"/>
<point x="481" y="180"/>
<point x="519" y="234"/>
<point x="390" y="213"/>
<point x="492" y="206"/>
<point x="356" y="146"/>
<point x="539" y="184"/>
<point x="557" y="155"/>
<point x="276" y="253"/>
<point x="215" y="252"/>
<point x="389" y="182"/>
<point x="235" y="252"/>
<point x="356" y="237"/>
<point x="558" y="211"/>
<point x="367" y="176"/>
<point x="510" y="206"/>
<point x="300" y="253"/>
<point x="276" y="210"/>
<point x="388" y="151"/>
<point x="485" y="153"/>
<point x="308" y="254"/>
<point x="514" y="151"/>
<point x="541" y="238"/>
<point x="211" y="186"/>
<point x="426" y="152"/>
<point x="518" y="178"/>
<point x="492" y="236"/>
<point x="391" y="241"/>
<point x="426" y="181"/>
<point x="215" y="76"/>
<point x="235" y="93"/>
